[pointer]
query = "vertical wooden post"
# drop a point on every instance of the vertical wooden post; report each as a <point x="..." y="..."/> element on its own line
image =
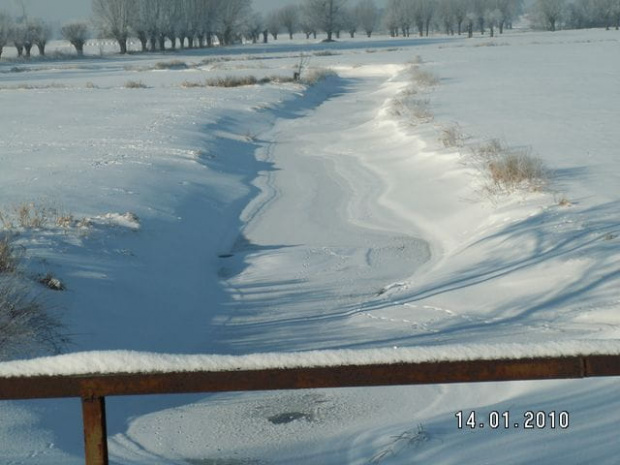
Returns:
<point x="95" y="431"/>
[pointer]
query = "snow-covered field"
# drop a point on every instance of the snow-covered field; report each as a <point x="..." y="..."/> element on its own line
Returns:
<point x="280" y="217"/>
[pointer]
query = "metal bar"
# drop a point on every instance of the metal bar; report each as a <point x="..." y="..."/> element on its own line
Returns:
<point x="306" y="378"/>
<point x="95" y="430"/>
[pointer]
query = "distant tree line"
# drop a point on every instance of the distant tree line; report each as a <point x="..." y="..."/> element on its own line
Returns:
<point x="24" y="33"/>
<point x="576" y="14"/>
<point x="162" y="24"/>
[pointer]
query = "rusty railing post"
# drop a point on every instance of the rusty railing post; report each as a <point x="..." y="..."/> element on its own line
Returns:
<point x="95" y="431"/>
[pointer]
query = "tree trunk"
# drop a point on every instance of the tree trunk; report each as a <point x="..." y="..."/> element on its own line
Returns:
<point x="20" y="49"/>
<point x="27" y="48"/>
<point x="122" y="43"/>
<point x="162" y="42"/>
<point x="329" y="36"/>
<point x="79" y="48"/>
<point x="265" y="37"/>
<point x="143" y="42"/>
<point x="41" y="47"/>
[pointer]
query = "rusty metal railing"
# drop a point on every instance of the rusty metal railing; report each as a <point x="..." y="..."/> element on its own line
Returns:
<point x="93" y="389"/>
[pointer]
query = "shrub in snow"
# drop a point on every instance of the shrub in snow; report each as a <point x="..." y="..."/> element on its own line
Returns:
<point x="174" y="64"/>
<point x="8" y="257"/>
<point x="516" y="169"/>
<point x="191" y="84"/>
<point x="134" y="85"/>
<point x="32" y="216"/>
<point x="423" y="78"/>
<point x="26" y="328"/>
<point x="316" y="75"/>
<point x="232" y="81"/>
<point x="452" y="136"/>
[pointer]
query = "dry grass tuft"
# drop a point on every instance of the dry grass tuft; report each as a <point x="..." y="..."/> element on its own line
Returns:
<point x="192" y="84"/>
<point x="514" y="169"/>
<point x="232" y="81"/>
<point x="407" y="105"/>
<point x="325" y="53"/>
<point x="509" y="169"/>
<point x="134" y="85"/>
<point x="452" y="136"/>
<point x="33" y="216"/>
<point x="316" y="75"/>
<point x="173" y="64"/>
<point x="424" y="78"/>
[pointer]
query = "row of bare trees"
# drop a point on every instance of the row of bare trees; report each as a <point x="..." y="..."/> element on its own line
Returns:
<point x="188" y="23"/>
<point x="198" y="23"/>
<point x="452" y="16"/>
<point x="577" y="14"/>
<point x="24" y="34"/>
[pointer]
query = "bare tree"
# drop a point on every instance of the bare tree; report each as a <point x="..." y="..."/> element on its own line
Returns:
<point x="349" y="22"/>
<point x="400" y="15"/>
<point x="307" y="26"/>
<point x="274" y="24"/>
<point x="254" y="27"/>
<point x="115" y="18"/>
<point x="425" y="9"/>
<point x="289" y="18"/>
<point x="41" y="32"/>
<point x="367" y="15"/>
<point x="76" y="32"/>
<point x="551" y="12"/>
<point x="325" y="14"/>
<point x="391" y="20"/>
<point x="18" y="36"/>
<point x="459" y="10"/>
<point x="231" y="16"/>
<point x="5" y="30"/>
<point x="446" y="15"/>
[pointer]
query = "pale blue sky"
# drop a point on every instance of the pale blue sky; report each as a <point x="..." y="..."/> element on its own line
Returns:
<point x="62" y="10"/>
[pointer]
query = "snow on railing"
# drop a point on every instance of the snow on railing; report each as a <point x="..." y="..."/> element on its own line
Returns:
<point x="92" y="376"/>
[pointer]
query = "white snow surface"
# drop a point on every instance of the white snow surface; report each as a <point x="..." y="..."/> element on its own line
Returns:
<point x="109" y="362"/>
<point x="278" y="225"/>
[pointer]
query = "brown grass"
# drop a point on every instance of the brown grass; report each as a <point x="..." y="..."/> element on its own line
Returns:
<point x="424" y="78"/>
<point x="134" y="85"/>
<point x="518" y="169"/>
<point x="173" y="64"/>
<point x="232" y="81"/>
